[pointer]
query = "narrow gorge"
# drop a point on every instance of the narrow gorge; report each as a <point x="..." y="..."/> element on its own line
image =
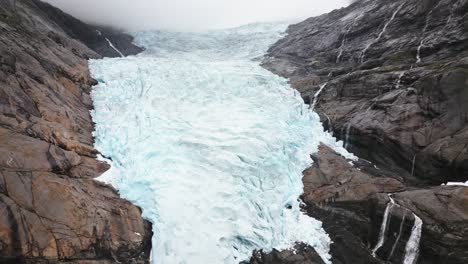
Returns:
<point x="340" y="139"/>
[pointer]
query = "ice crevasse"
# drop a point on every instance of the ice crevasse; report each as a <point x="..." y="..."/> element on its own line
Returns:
<point x="209" y="144"/>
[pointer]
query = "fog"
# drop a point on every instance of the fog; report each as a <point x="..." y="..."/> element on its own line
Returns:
<point x="192" y="15"/>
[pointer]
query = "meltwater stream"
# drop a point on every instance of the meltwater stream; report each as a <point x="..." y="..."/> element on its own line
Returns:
<point x="209" y="144"/>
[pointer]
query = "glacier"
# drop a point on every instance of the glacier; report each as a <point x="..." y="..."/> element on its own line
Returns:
<point x="209" y="144"/>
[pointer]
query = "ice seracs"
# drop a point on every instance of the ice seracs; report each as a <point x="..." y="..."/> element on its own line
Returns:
<point x="209" y="144"/>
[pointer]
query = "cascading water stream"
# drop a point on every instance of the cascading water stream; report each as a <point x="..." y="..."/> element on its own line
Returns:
<point x="209" y="144"/>
<point x="413" y="165"/>
<point x="449" y="18"/>
<point x="111" y="44"/>
<point x="363" y="53"/>
<point x="421" y="43"/>
<point x="398" y="237"/>
<point x="398" y="82"/>
<point x="348" y="131"/>
<point x="383" y="228"/>
<point x="317" y="94"/>
<point x="330" y="125"/>
<point x="412" y="245"/>
<point x="114" y="48"/>
<point x="343" y="41"/>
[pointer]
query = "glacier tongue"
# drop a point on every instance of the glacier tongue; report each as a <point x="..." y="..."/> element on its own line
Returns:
<point x="209" y="144"/>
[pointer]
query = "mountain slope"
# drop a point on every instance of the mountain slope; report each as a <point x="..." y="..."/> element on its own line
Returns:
<point x="51" y="210"/>
<point x="397" y="82"/>
<point x="390" y="79"/>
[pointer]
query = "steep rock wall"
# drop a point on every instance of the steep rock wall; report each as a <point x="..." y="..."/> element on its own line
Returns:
<point x="51" y="209"/>
<point x="397" y="74"/>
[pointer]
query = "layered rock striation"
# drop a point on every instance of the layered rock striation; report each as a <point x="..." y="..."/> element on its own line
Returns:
<point x="51" y="208"/>
<point x="396" y="80"/>
<point x="351" y="201"/>
<point x="390" y="79"/>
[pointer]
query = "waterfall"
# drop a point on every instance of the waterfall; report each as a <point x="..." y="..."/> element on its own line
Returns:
<point x="412" y="246"/>
<point x="449" y="18"/>
<point x="348" y="130"/>
<point x="316" y="95"/>
<point x="363" y="53"/>
<point x="330" y="126"/>
<point x="110" y="44"/>
<point x="383" y="227"/>
<point x="398" y="82"/>
<point x="114" y="48"/>
<point x="398" y="237"/>
<point x="343" y="41"/>
<point x="412" y="166"/>
<point x="421" y="43"/>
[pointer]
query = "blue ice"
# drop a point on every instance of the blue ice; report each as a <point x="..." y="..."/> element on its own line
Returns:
<point x="209" y="144"/>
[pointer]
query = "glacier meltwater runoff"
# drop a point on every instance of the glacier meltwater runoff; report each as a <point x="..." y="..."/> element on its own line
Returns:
<point x="209" y="144"/>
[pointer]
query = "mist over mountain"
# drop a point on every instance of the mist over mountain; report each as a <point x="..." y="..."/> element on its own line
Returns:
<point x="190" y="15"/>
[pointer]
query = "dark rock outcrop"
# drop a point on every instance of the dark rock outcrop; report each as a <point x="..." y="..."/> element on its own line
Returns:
<point x="51" y="209"/>
<point x="444" y="212"/>
<point x="351" y="202"/>
<point x="397" y="74"/>
<point x="300" y="254"/>
<point x="95" y="37"/>
<point x="393" y="82"/>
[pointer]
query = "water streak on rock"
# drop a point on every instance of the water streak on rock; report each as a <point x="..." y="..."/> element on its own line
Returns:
<point x="412" y="246"/>
<point x="363" y="53"/>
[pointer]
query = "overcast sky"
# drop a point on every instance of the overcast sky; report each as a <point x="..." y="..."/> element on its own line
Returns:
<point x="192" y="14"/>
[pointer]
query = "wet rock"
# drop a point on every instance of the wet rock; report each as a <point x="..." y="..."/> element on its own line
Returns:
<point x="300" y="254"/>
<point x="444" y="212"/>
<point x="405" y="114"/>
<point x="333" y="179"/>
<point x="351" y="202"/>
<point x="341" y="196"/>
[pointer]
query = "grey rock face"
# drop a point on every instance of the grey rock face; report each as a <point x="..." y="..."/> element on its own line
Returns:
<point x="351" y="201"/>
<point x="397" y="74"/>
<point x="95" y="37"/>
<point x="300" y="254"/>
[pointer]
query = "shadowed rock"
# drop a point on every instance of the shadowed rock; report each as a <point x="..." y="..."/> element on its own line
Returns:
<point x="300" y="254"/>
<point x="351" y="202"/>
<point x="407" y="116"/>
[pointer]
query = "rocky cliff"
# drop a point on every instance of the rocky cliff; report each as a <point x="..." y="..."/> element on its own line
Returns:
<point x="352" y="201"/>
<point x="396" y="82"/>
<point x="51" y="209"/>
<point x="390" y="79"/>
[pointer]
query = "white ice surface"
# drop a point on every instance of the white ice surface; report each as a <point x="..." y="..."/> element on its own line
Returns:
<point x="209" y="144"/>
<point x="457" y="183"/>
